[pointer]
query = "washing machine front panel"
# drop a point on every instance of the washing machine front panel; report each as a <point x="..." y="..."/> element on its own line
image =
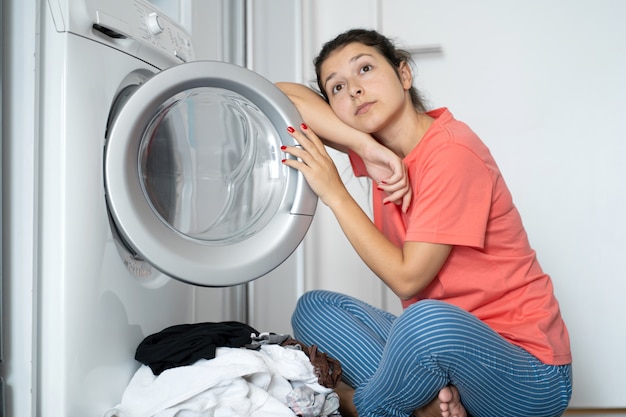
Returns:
<point x="194" y="179"/>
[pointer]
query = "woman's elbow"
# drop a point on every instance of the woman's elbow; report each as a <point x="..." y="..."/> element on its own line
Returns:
<point x="291" y="89"/>
<point x="409" y="286"/>
<point x="405" y="290"/>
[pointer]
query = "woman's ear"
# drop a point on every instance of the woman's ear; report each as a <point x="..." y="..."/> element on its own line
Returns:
<point x="406" y="76"/>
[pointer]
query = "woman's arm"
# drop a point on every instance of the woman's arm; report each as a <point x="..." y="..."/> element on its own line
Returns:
<point x="319" y="116"/>
<point x="406" y="270"/>
<point x="383" y="166"/>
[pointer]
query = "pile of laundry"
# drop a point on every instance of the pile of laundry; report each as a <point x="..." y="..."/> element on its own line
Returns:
<point x="229" y="369"/>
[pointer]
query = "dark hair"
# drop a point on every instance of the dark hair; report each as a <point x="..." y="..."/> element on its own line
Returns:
<point x="382" y="44"/>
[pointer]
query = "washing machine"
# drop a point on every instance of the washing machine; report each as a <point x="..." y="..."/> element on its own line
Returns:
<point x="157" y="174"/>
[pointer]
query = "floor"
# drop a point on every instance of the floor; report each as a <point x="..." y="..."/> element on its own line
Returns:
<point x="597" y="413"/>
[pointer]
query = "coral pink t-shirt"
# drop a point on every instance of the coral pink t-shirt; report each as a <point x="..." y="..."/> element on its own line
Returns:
<point x="461" y="199"/>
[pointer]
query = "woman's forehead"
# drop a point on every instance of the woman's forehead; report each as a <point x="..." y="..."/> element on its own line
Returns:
<point x="347" y="55"/>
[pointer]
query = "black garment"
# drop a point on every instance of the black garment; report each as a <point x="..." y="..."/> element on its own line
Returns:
<point x="184" y="344"/>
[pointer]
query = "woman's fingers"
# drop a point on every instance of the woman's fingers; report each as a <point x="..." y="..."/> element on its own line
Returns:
<point x="307" y="139"/>
<point x="311" y="147"/>
<point x="397" y="188"/>
<point x="401" y="198"/>
<point x="315" y="164"/>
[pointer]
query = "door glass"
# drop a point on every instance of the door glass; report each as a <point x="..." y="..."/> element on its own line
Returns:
<point x="210" y="165"/>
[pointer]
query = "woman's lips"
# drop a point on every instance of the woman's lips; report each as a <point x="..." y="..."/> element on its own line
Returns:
<point x="364" y="108"/>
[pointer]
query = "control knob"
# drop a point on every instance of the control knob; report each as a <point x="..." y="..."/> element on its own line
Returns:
<point x="155" y="24"/>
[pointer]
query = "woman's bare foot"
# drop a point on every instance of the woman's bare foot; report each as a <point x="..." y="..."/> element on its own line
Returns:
<point x="450" y="402"/>
<point x="446" y="404"/>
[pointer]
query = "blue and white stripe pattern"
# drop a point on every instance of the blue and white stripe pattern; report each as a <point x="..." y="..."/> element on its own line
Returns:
<point x="399" y="364"/>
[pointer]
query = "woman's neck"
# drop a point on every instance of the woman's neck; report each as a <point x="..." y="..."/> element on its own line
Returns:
<point x="404" y="135"/>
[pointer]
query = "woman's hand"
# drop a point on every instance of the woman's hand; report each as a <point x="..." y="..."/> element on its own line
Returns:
<point x="389" y="172"/>
<point x="316" y="165"/>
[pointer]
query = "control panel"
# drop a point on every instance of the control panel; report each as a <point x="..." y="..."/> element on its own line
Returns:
<point x="137" y="22"/>
<point x="159" y="31"/>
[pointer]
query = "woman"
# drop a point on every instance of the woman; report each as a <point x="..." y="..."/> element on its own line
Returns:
<point x="481" y="332"/>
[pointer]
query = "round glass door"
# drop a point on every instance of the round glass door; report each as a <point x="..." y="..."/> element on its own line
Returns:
<point x="210" y="166"/>
<point x="194" y="180"/>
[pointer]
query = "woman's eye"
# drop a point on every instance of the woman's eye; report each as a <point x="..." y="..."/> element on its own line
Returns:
<point x="366" y="68"/>
<point x="337" y="88"/>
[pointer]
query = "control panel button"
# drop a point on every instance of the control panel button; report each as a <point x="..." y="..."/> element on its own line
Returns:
<point x="154" y="23"/>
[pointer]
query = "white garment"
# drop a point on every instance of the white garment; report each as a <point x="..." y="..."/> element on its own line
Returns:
<point x="237" y="382"/>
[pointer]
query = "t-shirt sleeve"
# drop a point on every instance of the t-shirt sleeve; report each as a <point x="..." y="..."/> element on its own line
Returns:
<point x="452" y="198"/>
<point x="358" y="166"/>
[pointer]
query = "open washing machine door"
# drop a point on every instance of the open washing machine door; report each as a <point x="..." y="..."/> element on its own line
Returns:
<point x="194" y="182"/>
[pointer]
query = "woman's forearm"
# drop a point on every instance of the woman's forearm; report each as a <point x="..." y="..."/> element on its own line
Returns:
<point x="320" y="117"/>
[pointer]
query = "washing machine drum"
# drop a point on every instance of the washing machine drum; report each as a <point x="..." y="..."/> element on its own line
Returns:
<point x="194" y="182"/>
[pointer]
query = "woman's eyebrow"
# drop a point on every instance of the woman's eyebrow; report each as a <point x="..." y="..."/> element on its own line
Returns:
<point x="353" y="59"/>
<point x="356" y="57"/>
<point x="329" y="78"/>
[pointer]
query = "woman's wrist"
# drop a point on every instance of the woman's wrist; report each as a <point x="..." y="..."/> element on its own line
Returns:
<point x="361" y="143"/>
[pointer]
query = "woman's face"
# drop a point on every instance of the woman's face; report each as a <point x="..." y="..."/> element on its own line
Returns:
<point x="363" y="89"/>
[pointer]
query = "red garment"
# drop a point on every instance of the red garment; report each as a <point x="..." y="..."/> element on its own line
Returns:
<point x="461" y="199"/>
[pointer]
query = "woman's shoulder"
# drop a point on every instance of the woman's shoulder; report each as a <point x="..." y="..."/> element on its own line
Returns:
<point x="446" y="126"/>
<point x="447" y="131"/>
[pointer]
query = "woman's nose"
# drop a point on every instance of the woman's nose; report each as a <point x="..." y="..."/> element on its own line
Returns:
<point x="356" y="90"/>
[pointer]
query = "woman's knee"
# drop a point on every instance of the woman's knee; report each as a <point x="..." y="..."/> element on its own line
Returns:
<point x="433" y="320"/>
<point x="310" y="301"/>
<point x="433" y="311"/>
<point x="308" y="308"/>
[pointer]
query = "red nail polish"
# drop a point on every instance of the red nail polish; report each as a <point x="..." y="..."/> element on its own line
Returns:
<point x="290" y="129"/>
<point x="283" y="161"/>
<point x="304" y="126"/>
<point x="386" y="202"/>
<point x="282" y="148"/>
<point x="379" y="188"/>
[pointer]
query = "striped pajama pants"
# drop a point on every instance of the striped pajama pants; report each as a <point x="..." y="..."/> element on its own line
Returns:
<point x="399" y="364"/>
